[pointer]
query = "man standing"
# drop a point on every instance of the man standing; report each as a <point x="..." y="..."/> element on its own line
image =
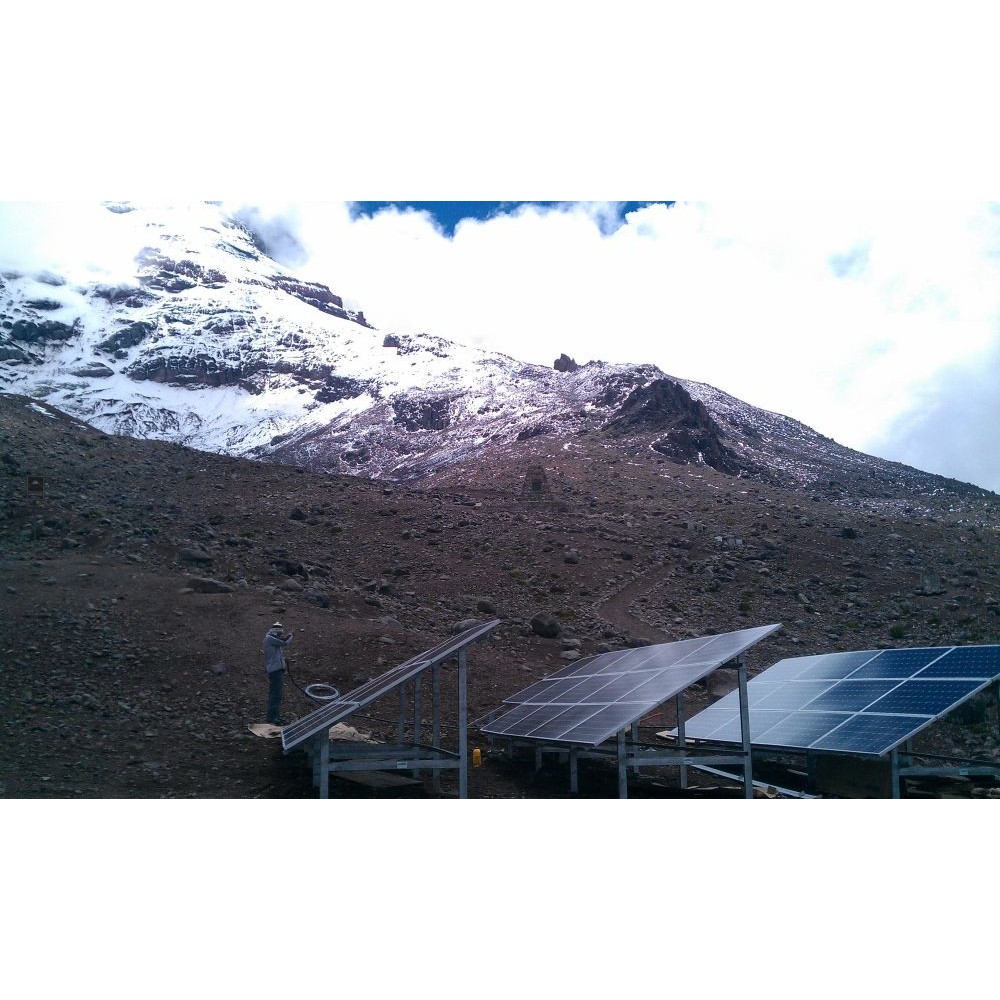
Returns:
<point x="274" y="663"/>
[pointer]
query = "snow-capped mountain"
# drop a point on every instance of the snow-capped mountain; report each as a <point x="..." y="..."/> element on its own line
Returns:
<point x="208" y="342"/>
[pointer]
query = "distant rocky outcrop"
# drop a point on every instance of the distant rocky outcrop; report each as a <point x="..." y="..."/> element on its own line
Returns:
<point x="691" y="435"/>
<point x="564" y="363"/>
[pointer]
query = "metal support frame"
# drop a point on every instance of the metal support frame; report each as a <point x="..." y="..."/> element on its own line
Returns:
<point x="463" y="756"/>
<point x="327" y="757"/>
<point x="811" y="782"/>
<point x="741" y="675"/>
<point x="416" y="715"/>
<point x="894" y="771"/>
<point x="436" y="717"/>
<point x="681" y="738"/>
<point x="622" y="773"/>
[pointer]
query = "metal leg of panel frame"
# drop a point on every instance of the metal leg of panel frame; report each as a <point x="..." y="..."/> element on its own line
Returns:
<point x="538" y="759"/>
<point x="416" y="715"/>
<point x="998" y="707"/>
<point x="635" y="743"/>
<point x="321" y="753"/>
<point x="894" y="773"/>
<point x="741" y="674"/>
<point x="436" y="719"/>
<point x="574" y="780"/>
<point x="463" y="752"/>
<point x="622" y="770"/>
<point x="401" y="728"/>
<point x="681" y="740"/>
<point x="811" y="772"/>
<point x="417" y="721"/>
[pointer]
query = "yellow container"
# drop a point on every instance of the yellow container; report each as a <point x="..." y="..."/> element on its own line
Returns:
<point x="477" y="757"/>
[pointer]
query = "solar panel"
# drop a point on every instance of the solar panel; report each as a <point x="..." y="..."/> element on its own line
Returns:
<point x="861" y="702"/>
<point x="590" y="700"/>
<point x="332" y="712"/>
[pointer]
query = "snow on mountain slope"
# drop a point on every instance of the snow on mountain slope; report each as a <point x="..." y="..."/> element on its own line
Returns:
<point x="204" y="340"/>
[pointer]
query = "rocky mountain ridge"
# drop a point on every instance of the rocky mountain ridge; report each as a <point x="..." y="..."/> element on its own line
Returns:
<point x="212" y="344"/>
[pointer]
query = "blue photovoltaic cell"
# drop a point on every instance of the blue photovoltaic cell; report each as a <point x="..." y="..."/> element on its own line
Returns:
<point x="704" y="725"/>
<point x="519" y="712"/>
<point x="595" y="666"/>
<point x="966" y="661"/>
<point x="614" y="689"/>
<point x="849" y="696"/>
<point x="898" y="663"/>
<point x="871" y="734"/>
<point x="800" y="729"/>
<point x="598" y="727"/>
<point x="834" y="666"/>
<point x="530" y="722"/>
<point x="730" y="732"/>
<point x="787" y="669"/>
<point x="788" y="696"/>
<point x="924" y="697"/>
<point x="754" y="695"/>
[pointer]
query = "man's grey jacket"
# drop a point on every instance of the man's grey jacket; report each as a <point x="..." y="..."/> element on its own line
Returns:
<point x="274" y="651"/>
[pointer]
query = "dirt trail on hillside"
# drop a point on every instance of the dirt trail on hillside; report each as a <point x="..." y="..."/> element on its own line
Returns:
<point x="615" y="609"/>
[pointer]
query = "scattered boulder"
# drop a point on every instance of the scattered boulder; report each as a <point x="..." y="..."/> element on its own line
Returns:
<point x="205" y="585"/>
<point x="194" y="554"/>
<point x="316" y="596"/>
<point x="546" y="625"/>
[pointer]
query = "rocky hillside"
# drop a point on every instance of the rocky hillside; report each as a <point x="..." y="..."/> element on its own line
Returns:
<point x="138" y="581"/>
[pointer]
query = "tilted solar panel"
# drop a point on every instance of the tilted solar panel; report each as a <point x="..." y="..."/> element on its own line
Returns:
<point x="861" y="702"/>
<point x="332" y="712"/>
<point x="590" y="700"/>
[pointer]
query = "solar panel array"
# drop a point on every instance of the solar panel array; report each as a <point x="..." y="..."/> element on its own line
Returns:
<point x="333" y="711"/>
<point x="589" y="700"/>
<point x="864" y="703"/>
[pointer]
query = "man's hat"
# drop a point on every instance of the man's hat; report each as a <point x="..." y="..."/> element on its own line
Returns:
<point x="277" y="625"/>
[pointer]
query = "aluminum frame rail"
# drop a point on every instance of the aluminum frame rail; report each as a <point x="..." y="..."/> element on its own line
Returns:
<point x="311" y="732"/>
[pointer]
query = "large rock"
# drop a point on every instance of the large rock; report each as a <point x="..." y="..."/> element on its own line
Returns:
<point x="194" y="555"/>
<point x="205" y="585"/>
<point x="546" y="625"/>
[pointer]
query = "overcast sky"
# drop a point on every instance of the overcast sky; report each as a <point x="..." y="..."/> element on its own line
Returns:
<point x="875" y="322"/>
